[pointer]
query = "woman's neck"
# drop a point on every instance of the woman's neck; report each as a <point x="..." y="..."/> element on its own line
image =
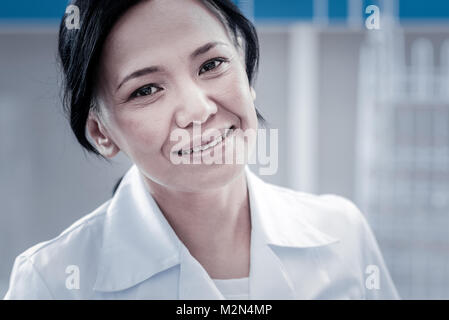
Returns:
<point x="215" y="225"/>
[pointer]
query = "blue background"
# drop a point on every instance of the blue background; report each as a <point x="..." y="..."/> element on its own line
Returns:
<point x="279" y="10"/>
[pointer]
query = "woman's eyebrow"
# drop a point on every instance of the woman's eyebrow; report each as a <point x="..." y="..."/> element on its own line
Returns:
<point x="203" y="49"/>
<point x="145" y="71"/>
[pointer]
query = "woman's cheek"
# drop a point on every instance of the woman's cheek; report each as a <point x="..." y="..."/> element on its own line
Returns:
<point x="230" y="90"/>
<point x="142" y="131"/>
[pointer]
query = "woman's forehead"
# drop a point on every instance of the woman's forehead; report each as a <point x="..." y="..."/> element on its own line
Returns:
<point x="158" y="23"/>
<point x="156" y="28"/>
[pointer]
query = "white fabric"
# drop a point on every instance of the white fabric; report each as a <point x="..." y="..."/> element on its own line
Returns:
<point x="233" y="289"/>
<point x="303" y="246"/>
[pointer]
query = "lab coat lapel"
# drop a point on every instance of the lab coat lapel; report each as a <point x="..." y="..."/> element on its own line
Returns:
<point x="138" y="242"/>
<point x="268" y="279"/>
<point x="194" y="282"/>
<point x="278" y="223"/>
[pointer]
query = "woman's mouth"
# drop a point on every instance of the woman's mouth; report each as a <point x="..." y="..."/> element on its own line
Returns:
<point x="210" y="145"/>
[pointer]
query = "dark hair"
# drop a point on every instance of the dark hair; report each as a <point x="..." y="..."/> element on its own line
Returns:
<point x="80" y="50"/>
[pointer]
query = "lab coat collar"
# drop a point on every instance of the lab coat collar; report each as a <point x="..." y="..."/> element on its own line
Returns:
<point x="277" y="219"/>
<point x="138" y="241"/>
<point x="280" y="218"/>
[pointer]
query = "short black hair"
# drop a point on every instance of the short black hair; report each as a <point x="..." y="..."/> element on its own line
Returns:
<point x="80" y="50"/>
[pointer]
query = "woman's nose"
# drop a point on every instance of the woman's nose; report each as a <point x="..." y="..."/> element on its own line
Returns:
<point x="193" y="106"/>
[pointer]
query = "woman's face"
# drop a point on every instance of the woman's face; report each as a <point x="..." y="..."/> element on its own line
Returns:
<point x="153" y="82"/>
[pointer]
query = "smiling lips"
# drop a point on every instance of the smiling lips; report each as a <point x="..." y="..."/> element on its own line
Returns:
<point x="211" y="144"/>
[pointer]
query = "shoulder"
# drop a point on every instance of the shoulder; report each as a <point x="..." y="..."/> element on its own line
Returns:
<point x="81" y="231"/>
<point x="356" y="258"/>
<point x="331" y="214"/>
<point x="45" y="265"/>
<point x="328" y="208"/>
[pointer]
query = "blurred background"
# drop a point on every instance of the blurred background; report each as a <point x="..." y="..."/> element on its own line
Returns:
<point x="360" y="98"/>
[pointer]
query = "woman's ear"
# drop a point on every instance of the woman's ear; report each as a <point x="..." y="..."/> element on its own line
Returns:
<point x="99" y="134"/>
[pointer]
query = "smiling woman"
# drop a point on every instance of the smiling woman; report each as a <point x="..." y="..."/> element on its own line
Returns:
<point x="135" y="73"/>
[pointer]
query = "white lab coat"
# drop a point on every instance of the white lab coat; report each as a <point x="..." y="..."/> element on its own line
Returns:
<point x="303" y="246"/>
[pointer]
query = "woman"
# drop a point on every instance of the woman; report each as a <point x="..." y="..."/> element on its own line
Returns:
<point x="137" y="72"/>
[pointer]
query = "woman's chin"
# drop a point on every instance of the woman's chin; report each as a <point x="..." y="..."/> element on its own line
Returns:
<point x="204" y="177"/>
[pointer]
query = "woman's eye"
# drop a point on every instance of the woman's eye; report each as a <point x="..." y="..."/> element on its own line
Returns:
<point x="147" y="90"/>
<point x="213" y="64"/>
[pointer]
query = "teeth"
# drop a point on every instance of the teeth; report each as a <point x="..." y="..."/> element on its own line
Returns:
<point x="212" y="144"/>
<point x="209" y="145"/>
<point x="185" y="151"/>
